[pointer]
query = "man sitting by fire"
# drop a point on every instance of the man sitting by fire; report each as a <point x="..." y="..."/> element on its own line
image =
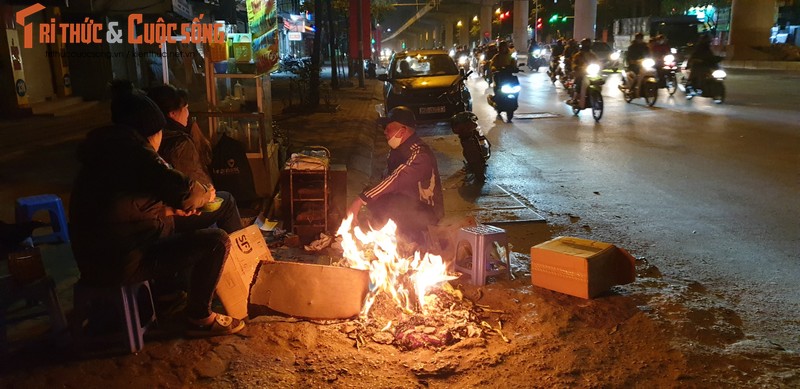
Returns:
<point x="411" y="193"/>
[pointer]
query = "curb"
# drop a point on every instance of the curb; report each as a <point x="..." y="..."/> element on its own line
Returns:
<point x="763" y="65"/>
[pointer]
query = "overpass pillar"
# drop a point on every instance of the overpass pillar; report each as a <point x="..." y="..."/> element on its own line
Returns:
<point x="520" y="34"/>
<point x="585" y="19"/>
<point x="463" y="32"/>
<point x="751" y="21"/>
<point x="449" y="33"/>
<point x="487" y="14"/>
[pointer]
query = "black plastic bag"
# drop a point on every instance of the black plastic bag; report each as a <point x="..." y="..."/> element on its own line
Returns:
<point x="230" y="170"/>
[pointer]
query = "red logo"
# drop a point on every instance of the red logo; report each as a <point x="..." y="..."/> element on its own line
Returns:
<point x="28" y="28"/>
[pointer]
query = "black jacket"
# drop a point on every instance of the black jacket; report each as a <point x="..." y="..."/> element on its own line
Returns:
<point x="179" y="150"/>
<point x="117" y="206"/>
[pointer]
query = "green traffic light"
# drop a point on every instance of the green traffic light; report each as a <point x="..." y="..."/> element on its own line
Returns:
<point x="553" y="18"/>
<point x="564" y="19"/>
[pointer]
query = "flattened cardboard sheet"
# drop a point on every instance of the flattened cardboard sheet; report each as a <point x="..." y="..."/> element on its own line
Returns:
<point x="310" y="291"/>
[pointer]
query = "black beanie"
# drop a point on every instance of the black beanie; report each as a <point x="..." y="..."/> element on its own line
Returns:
<point x="134" y="109"/>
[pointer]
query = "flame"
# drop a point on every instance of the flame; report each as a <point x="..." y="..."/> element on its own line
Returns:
<point x="401" y="278"/>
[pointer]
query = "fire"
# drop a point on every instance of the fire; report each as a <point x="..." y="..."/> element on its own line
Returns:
<point x="406" y="280"/>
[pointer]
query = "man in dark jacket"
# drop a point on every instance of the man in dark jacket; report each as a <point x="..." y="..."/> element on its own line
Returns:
<point x="633" y="56"/>
<point x="180" y="151"/>
<point x="121" y="201"/>
<point x="411" y="195"/>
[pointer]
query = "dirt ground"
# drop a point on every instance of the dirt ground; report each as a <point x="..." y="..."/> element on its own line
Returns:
<point x="654" y="332"/>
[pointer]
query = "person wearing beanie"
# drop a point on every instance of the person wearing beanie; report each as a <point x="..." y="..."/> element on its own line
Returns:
<point x="411" y="194"/>
<point x="180" y="151"/>
<point x="120" y="207"/>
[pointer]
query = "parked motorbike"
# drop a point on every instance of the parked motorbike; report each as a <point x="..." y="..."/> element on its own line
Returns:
<point x="506" y="92"/>
<point x="645" y="85"/>
<point x="711" y="85"/>
<point x="668" y="74"/>
<point x="476" y="149"/>
<point x="536" y="60"/>
<point x="458" y="95"/>
<point x="594" y="92"/>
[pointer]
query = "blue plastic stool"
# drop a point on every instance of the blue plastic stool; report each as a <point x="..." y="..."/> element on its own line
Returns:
<point x="481" y="239"/>
<point x="136" y="318"/>
<point x="26" y="207"/>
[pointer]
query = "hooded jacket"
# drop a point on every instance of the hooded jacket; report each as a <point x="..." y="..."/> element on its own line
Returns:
<point x="117" y="206"/>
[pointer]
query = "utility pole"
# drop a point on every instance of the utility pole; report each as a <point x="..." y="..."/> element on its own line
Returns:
<point x="361" y="83"/>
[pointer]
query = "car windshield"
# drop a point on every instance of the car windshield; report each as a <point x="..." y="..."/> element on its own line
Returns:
<point x="601" y="47"/>
<point x="424" y="65"/>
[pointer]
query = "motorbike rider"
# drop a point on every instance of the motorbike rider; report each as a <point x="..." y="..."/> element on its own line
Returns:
<point x="569" y="51"/>
<point x="634" y="56"/>
<point x="489" y="52"/>
<point x="580" y="61"/>
<point x="503" y="64"/>
<point x="555" y="55"/>
<point x="701" y="62"/>
<point x="659" y="49"/>
<point x="475" y="147"/>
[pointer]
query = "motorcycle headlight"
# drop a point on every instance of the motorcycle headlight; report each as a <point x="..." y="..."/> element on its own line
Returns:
<point x="452" y="53"/>
<point x="509" y="89"/>
<point x="719" y="74"/>
<point x="593" y="70"/>
<point x="614" y="56"/>
<point x="669" y="58"/>
<point x="483" y="56"/>
<point x="462" y="60"/>
<point x="537" y="52"/>
<point x="514" y="55"/>
<point x="648" y="63"/>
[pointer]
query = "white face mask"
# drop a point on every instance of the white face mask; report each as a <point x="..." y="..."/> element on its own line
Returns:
<point x="395" y="141"/>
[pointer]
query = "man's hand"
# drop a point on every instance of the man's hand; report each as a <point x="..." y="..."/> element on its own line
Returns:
<point x="355" y="207"/>
<point x="169" y="211"/>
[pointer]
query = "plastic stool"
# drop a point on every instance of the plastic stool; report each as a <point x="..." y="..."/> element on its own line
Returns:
<point x="41" y="291"/>
<point x="26" y="207"/>
<point x="481" y="240"/>
<point x="136" y="318"/>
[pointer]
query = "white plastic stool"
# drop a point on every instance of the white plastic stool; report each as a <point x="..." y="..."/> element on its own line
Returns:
<point x="481" y="240"/>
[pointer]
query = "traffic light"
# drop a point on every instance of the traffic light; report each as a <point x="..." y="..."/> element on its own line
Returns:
<point x="564" y="19"/>
<point x="553" y="18"/>
<point x="539" y="24"/>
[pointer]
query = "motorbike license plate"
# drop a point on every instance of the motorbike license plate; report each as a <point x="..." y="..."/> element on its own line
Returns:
<point x="437" y="109"/>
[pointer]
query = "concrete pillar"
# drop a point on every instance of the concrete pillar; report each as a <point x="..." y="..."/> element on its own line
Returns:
<point x="486" y="17"/>
<point x="449" y="33"/>
<point x="751" y="21"/>
<point x="463" y="31"/>
<point x="585" y="19"/>
<point x="435" y="38"/>
<point x="520" y="34"/>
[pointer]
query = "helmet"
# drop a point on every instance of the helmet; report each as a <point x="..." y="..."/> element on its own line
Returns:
<point x="586" y="44"/>
<point x="463" y="117"/>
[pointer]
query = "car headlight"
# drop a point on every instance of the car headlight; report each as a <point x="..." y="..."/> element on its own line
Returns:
<point x="593" y="70"/>
<point x="669" y="58"/>
<point x="719" y="74"/>
<point x="509" y="89"/>
<point x="648" y="63"/>
<point x="614" y="56"/>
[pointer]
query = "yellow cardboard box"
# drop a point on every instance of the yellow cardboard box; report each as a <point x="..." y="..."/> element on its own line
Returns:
<point x="248" y="248"/>
<point x="580" y="267"/>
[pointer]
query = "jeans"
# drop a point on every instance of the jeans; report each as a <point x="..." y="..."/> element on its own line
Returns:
<point x="226" y="217"/>
<point x="202" y="251"/>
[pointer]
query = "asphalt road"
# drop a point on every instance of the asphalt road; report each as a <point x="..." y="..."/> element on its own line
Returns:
<point x="706" y="192"/>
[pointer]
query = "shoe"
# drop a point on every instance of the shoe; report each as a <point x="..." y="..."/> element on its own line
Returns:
<point x="508" y="121"/>
<point x="222" y="325"/>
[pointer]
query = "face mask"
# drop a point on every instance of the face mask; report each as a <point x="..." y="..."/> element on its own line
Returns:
<point x="394" y="142"/>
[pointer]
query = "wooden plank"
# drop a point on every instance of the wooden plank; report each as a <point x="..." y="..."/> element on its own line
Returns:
<point x="310" y="291"/>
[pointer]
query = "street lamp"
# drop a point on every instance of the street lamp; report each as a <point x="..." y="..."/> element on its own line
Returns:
<point x="459" y="24"/>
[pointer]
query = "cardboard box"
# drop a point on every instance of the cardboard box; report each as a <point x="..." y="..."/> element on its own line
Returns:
<point x="248" y="248"/>
<point x="580" y="267"/>
<point x="310" y="291"/>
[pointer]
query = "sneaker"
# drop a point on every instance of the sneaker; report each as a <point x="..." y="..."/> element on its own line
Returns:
<point x="222" y="325"/>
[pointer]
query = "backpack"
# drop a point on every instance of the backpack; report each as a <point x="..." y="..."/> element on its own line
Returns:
<point x="230" y="169"/>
